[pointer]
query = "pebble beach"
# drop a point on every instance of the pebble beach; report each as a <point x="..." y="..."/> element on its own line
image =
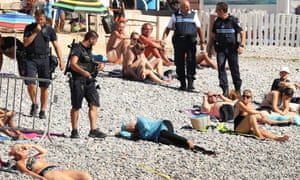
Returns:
<point x="238" y="157"/>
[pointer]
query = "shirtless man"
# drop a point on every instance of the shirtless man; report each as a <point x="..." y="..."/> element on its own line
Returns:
<point x="6" y="119"/>
<point x="117" y="43"/>
<point x="154" y="47"/>
<point x="203" y="59"/>
<point x="136" y="66"/>
<point x="211" y="104"/>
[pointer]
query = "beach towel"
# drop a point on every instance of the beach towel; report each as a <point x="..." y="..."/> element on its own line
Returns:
<point x="115" y="73"/>
<point x="284" y="118"/>
<point x="100" y="58"/>
<point x="5" y="139"/>
<point x="223" y="129"/>
<point x="191" y="112"/>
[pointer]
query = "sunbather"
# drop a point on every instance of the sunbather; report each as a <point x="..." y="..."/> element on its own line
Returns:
<point x="137" y="66"/>
<point x="6" y="118"/>
<point x="37" y="167"/>
<point x="212" y="103"/>
<point x="278" y="102"/>
<point x="245" y="119"/>
<point x="117" y="44"/>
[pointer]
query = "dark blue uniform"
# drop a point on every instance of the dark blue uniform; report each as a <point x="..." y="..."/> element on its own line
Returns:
<point x="275" y="84"/>
<point x="184" y="42"/>
<point x="82" y="87"/>
<point x="226" y="45"/>
<point x="38" y="53"/>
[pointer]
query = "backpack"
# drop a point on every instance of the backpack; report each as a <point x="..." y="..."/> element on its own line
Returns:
<point x="226" y="112"/>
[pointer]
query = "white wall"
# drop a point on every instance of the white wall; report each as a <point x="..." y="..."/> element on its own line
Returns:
<point x="268" y="8"/>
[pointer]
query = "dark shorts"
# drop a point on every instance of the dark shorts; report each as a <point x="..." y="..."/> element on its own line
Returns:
<point x="237" y="121"/>
<point x="80" y="89"/>
<point x="38" y="67"/>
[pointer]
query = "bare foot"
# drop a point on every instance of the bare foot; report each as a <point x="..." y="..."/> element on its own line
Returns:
<point x="291" y="120"/>
<point x="282" y="138"/>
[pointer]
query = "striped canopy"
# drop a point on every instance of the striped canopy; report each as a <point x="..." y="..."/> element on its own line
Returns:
<point x="15" y="20"/>
<point x="92" y="6"/>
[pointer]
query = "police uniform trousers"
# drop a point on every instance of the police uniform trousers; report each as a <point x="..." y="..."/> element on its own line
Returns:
<point x="232" y="56"/>
<point x="185" y="57"/>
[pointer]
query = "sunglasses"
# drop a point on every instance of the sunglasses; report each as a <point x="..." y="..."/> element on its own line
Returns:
<point x="246" y="96"/>
<point x="134" y="39"/>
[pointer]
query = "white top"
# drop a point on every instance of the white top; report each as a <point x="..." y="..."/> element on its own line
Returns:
<point x="173" y="20"/>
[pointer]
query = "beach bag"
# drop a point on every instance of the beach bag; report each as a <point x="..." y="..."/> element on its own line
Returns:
<point x="226" y="112"/>
<point x="200" y="122"/>
<point x="108" y="23"/>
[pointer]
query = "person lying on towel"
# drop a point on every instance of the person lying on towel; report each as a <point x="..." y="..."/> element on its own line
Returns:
<point x="6" y="118"/>
<point x="218" y="105"/>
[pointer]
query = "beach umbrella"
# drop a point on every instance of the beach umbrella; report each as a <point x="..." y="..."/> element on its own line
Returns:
<point x="88" y="6"/>
<point x="85" y="6"/>
<point x="15" y="20"/>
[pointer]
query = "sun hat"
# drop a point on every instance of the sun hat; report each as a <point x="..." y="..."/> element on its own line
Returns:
<point x="285" y="69"/>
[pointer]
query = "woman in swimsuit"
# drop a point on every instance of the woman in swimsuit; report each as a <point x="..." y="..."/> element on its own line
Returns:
<point x="37" y="167"/>
<point x="245" y="119"/>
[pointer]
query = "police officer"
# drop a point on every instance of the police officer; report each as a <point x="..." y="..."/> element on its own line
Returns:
<point x="187" y="26"/>
<point x="224" y="37"/>
<point x="36" y="42"/>
<point x="82" y="83"/>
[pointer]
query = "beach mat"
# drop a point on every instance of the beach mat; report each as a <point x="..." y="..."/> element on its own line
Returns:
<point x="221" y="128"/>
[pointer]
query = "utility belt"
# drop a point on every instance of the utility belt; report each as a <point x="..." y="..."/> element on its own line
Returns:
<point x="188" y="37"/>
<point x="37" y="56"/>
<point x="83" y="80"/>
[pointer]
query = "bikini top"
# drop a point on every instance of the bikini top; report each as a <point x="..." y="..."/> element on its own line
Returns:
<point x="30" y="162"/>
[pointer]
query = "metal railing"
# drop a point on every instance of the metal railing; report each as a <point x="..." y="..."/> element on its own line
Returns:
<point x="13" y="91"/>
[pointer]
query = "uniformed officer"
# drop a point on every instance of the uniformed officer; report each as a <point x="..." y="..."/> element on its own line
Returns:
<point x="186" y="26"/>
<point x="36" y="42"/>
<point x="82" y="83"/>
<point x="224" y="37"/>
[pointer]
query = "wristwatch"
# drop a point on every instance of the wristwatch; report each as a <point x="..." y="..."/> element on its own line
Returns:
<point x="241" y="45"/>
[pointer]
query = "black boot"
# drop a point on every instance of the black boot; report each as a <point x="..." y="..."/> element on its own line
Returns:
<point x="182" y="85"/>
<point x="191" y="84"/>
<point x="225" y="91"/>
